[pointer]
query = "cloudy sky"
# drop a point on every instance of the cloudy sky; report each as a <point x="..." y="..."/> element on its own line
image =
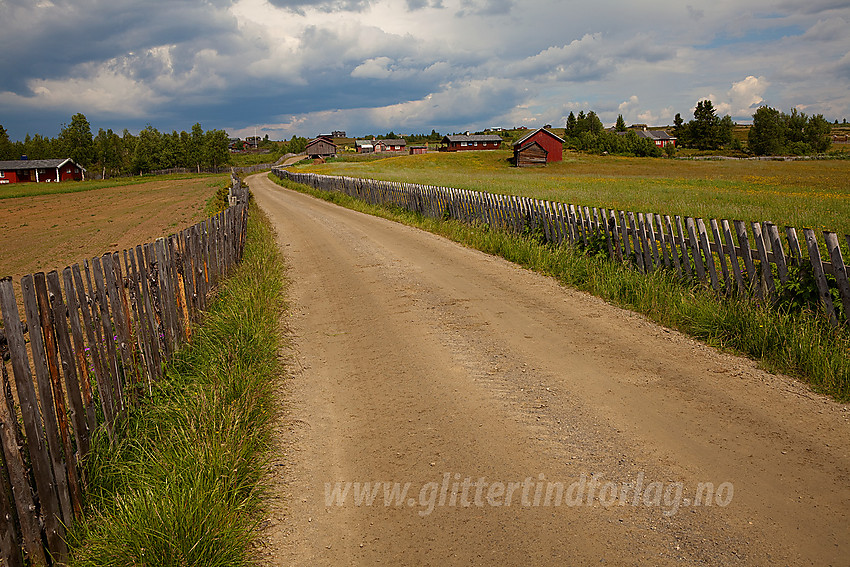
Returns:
<point x="287" y="67"/>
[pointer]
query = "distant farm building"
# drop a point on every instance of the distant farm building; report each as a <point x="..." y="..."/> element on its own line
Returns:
<point x="390" y="145"/>
<point x="659" y="137"/>
<point x="415" y="150"/>
<point x="538" y="148"/>
<point x="364" y="146"/>
<point x="320" y="147"/>
<point x="338" y="133"/>
<point x="466" y="142"/>
<point x="41" y="171"/>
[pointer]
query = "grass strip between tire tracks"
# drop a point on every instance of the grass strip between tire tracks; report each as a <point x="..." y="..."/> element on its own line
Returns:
<point x="800" y="344"/>
<point x="184" y="484"/>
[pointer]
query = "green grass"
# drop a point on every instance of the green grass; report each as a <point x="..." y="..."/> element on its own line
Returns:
<point x="183" y="485"/>
<point x="247" y="159"/>
<point x="803" y="194"/>
<point x="14" y="190"/>
<point x="800" y="343"/>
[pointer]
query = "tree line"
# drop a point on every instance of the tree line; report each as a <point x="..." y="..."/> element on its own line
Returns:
<point x="110" y="154"/>
<point x="775" y="132"/>
<point x="586" y="133"/>
<point x="772" y="133"/>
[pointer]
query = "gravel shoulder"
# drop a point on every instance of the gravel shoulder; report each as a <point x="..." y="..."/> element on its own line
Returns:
<point x="416" y="360"/>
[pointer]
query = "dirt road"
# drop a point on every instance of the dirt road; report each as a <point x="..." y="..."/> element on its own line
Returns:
<point x="529" y="424"/>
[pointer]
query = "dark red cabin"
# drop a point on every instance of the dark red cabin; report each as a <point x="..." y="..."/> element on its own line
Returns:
<point x="553" y="145"/>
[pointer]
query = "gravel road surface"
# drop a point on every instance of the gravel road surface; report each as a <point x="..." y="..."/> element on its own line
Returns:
<point x="511" y="421"/>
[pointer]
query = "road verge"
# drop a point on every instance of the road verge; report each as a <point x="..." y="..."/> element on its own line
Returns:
<point x="184" y="485"/>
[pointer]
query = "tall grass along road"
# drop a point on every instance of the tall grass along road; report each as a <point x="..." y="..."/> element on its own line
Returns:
<point x="450" y="408"/>
<point x="183" y="485"/>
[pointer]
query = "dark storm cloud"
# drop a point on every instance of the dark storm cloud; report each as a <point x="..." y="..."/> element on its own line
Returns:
<point x="46" y="41"/>
<point x="449" y="63"/>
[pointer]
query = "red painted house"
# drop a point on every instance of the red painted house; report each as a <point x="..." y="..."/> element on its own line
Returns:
<point x="40" y="171"/>
<point x="390" y="145"/>
<point x="548" y="141"/>
<point x="465" y="142"/>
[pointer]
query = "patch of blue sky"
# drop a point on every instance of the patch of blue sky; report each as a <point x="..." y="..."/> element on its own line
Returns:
<point x="754" y="36"/>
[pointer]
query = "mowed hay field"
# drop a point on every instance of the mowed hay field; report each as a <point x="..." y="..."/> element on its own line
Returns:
<point x="804" y="194"/>
<point x="47" y="232"/>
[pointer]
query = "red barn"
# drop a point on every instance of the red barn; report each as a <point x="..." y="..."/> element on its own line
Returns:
<point x="548" y="141"/>
<point x="465" y="142"/>
<point x="390" y="145"/>
<point x="40" y="170"/>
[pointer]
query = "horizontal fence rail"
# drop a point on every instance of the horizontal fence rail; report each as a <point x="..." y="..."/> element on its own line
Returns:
<point x="88" y="342"/>
<point x="734" y="257"/>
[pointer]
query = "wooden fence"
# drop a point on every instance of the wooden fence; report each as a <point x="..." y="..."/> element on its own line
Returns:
<point x="98" y="334"/>
<point x="718" y="253"/>
<point x="237" y="194"/>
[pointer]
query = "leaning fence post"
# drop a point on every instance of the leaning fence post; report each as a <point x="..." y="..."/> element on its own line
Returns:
<point x="820" y="277"/>
<point x="778" y="253"/>
<point x="709" y="255"/>
<point x="31" y="415"/>
<point x="20" y="494"/>
<point x="721" y="254"/>
<point x="839" y="270"/>
<point x="44" y="371"/>
<point x="733" y="256"/>
<point x="695" y="249"/>
<point x="766" y="270"/>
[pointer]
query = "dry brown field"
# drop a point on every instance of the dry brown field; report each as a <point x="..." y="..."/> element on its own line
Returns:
<point x="47" y="232"/>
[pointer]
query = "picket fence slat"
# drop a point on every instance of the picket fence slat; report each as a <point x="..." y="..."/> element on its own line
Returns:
<point x="115" y="370"/>
<point x="768" y="285"/>
<point x="69" y="369"/>
<point x="94" y="345"/>
<point x="19" y="495"/>
<point x="39" y="457"/>
<point x="839" y="270"/>
<point x="48" y="317"/>
<point x="733" y="256"/>
<point x="44" y="382"/>
<point x="778" y="252"/>
<point x="79" y="350"/>
<point x="118" y="328"/>
<point x="820" y="277"/>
